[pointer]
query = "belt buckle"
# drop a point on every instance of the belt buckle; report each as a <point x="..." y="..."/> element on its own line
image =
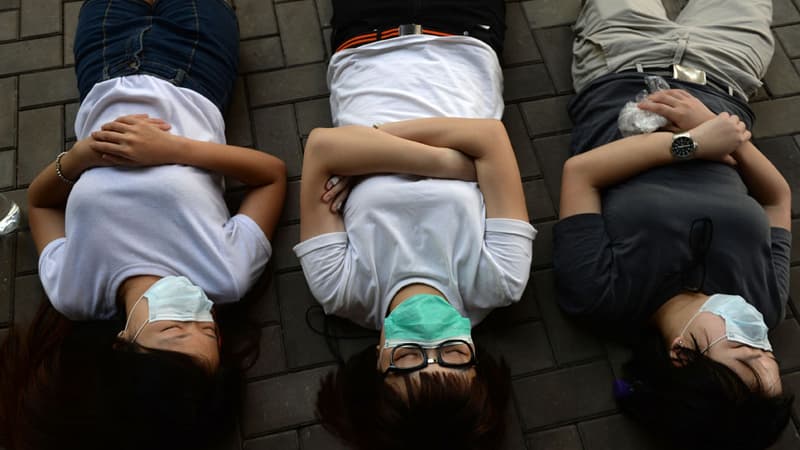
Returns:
<point x="689" y="74"/>
<point x="409" y="28"/>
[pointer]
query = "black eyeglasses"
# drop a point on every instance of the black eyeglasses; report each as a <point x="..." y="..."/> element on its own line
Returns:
<point x="455" y="353"/>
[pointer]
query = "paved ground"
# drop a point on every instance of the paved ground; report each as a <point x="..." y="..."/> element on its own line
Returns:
<point x="562" y="375"/>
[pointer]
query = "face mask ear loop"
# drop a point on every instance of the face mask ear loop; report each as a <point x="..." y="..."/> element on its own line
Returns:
<point x="689" y="322"/>
<point x="712" y="343"/>
<point x="128" y="320"/>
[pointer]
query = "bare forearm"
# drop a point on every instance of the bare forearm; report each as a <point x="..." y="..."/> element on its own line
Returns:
<point x="48" y="190"/>
<point x="473" y="137"/>
<point x="251" y="167"/>
<point x="765" y="183"/>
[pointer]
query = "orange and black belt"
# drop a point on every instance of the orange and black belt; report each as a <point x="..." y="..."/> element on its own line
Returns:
<point x="379" y="35"/>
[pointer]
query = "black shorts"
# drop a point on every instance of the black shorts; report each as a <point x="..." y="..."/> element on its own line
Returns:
<point x="481" y="19"/>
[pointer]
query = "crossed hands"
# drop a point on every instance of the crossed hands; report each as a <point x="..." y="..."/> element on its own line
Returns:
<point x="717" y="136"/>
<point x="135" y="140"/>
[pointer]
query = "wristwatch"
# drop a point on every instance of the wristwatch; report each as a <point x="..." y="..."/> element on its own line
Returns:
<point x="683" y="146"/>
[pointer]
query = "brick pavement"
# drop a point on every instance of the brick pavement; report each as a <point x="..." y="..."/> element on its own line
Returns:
<point x="561" y="374"/>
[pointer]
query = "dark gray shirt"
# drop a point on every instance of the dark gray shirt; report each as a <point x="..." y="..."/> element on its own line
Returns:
<point x="687" y="225"/>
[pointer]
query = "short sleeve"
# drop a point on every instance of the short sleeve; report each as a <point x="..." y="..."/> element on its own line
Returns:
<point x="323" y="259"/>
<point x="781" y="258"/>
<point x="509" y="246"/>
<point x="246" y="250"/>
<point x="584" y="267"/>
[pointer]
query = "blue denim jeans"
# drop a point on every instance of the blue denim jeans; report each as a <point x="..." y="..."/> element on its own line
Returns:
<point x="190" y="43"/>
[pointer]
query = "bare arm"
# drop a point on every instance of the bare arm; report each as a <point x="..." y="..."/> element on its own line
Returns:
<point x="765" y="184"/>
<point x="484" y="140"/>
<point x="355" y="150"/>
<point x="586" y="174"/>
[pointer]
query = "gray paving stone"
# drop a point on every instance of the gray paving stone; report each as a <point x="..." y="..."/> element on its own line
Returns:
<point x="525" y="347"/>
<point x="8" y="111"/>
<point x="547" y="116"/>
<point x="549" y="13"/>
<point x="291" y="207"/>
<point x="26" y="256"/>
<point x="523" y="150"/>
<point x="782" y="79"/>
<point x="276" y="134"/>
<point x="303" y="346"/>
<point x="792" y="383"/>
<point x="519" y="46"/>
<point x="540" y="207"/>
<point x="297" y="83"/>
<point x="324" y="12"/>
<point x="570" y="342"/>
<point x="794" y="289"/>
<point x="316" y="437"/>
<point x="553" y="152"/>
<point x="38" y="143"/>
<point x="3" y="335"/>
<point x="543" y="245"/>
<point x="618" y="355"/>
<point x="256" y="18"/>
<point x="7" y="245"/>
<point x="40" y="17"/>
<point x="565" y="438"/>
<point x="280" y="441"/>
<point x="8" y="4"/>
<point x="313" y="114"/>
<point x="564" y="395"/>
<point x="7" y="169"/>
<point x="790" y="38"/>
<point x="271" y="357"/>
<point x="71" y="11"/>
<point x="556" y="44"/>
<point x="260" y="54"/>
<point x="237" y="118"/>
<point x="281" y="402"/>
<point x="526" y="82"/>
<point x="32" y="54"/>
<point x="795" y="242"/>
<point x="9" y="29"/>
<point x="777" y="117"/>
<point x="52" y="86"/>
<point x="70" y="111"/>
<point x="282" y="255"/>
<point x="28" y="296"/>
<point x="784" y="12"/>
<point x="784" y="339"/>
<point x="300" y="33"/>
<point x="790" y="439"/>
<point x="524" y="310"/>
<point x="785" y="154"/>
<point x="617" y="432"/>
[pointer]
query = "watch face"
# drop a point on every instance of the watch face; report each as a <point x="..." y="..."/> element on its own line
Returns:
<point x="682" y="147"/>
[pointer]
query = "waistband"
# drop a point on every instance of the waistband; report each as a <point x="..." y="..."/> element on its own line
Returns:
<point x="689" y="75"/>
<point x="388" y="33"/>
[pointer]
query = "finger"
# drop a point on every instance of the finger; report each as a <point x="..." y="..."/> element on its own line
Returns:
<point x="131" y="119"/>
<point x="724" y="115"/>
<point x="338" y="203"/>
<point x="332" y="181"/>
<point x="729" y="160"/>
<point x="659" y="108"/>
<point x="336" y="189"/>
<point x="119" y="127"/>
<point x="108" y="136"/>
<point x="665" y="97"/>
<point x="116" y="160"/>
<point x="747" y="136"/>
<point x="106" y="147"/>
<point x="160" y="124"/>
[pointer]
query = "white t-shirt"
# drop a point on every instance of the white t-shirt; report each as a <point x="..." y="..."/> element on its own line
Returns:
<point x="401" y="229"/>
<point x="163" y="220"/>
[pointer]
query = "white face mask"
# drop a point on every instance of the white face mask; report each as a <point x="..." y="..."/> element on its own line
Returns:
<point x="174" y="298"/>
<point x="743" y="322"/>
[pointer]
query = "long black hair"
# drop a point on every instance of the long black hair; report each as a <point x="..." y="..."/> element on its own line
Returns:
<point x="701" y="404"/>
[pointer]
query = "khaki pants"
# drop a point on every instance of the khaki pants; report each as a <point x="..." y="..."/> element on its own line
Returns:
<point x="729" y="39"/>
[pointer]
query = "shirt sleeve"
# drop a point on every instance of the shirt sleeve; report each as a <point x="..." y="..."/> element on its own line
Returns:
<point x="247" y="251"/>
<point x="584" y="266"/>
<point x="51" y="275"/>
<point x="323" y="259"/>
<point x="781" y="259"/>
<point x="509" y="249"/>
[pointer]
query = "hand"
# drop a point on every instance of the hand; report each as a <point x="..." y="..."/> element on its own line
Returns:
<point x="135" y="141"/>
<point x="683" y="110"/>
<point x="336" y="191"/>
<point x="717" y="138"/>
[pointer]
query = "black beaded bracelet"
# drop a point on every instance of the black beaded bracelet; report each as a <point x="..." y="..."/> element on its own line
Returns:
<point x="60" y="173"/>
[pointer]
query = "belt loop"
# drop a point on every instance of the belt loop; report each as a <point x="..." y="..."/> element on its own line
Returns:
<point x="639" y="67"/>
<point x="377" y="34"/>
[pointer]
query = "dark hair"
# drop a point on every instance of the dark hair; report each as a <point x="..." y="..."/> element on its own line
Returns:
<point x="702" y="404"/>
<point x="74" y="385"/>
<point x="442" y="412"/>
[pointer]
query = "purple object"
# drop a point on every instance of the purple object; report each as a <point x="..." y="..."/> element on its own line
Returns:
<point x="622" y="389"/>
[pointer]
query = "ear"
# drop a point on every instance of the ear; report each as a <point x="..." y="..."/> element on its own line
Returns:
<point x="674" y="350"/>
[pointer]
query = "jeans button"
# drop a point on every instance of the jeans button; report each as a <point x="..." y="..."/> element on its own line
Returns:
<point x="134" y="65"/>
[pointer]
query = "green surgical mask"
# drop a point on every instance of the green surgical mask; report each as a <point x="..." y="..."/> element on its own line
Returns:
<point x="426" y="320"/>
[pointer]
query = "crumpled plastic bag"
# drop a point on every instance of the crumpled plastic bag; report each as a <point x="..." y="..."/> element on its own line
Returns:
<point x="633" y="120"/>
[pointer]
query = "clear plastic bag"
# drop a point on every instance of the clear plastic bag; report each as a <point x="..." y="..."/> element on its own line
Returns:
<point x="633" y="120"/>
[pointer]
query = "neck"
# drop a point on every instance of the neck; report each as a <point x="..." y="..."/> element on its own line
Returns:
<point x="132" y="289"/>
<point x="410" y="291"/>
<point x="671" y="317"/>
